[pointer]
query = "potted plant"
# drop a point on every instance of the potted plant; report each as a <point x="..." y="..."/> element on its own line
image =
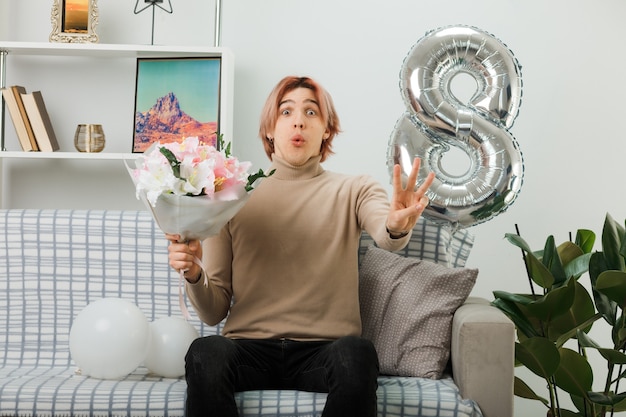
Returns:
<point x="554" y="319"/>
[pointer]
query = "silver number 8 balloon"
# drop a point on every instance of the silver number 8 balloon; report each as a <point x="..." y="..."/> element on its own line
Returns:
<point x="437" y="120"/>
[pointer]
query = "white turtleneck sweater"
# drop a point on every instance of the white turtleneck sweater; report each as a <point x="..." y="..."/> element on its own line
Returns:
<point x="289" y="258"/>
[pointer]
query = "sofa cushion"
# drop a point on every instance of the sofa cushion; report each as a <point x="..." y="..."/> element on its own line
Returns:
<point x="59" y="392"/>
<point x="406" y="309"/>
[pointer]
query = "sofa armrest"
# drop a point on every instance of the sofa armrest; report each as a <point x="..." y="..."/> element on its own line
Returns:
<point x="482" y="354"/>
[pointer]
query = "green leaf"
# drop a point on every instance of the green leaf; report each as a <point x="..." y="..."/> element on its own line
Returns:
<point x="518" y="241"/>
<point x="539" y="355"/>
<point x="522" y="390"/>
<point x="605" y="306"/>
<point x="552" y="261"/>
<point x="585" y="341"/>
<point x="536" y="270"/>
<point x="569" y="251"/>
<point x="620" y="406"/>
<point x="613" y="285"/>
<point x="609" y="399"/>
<point x="581" y="311"/>
<point x="585" y="326"/>
<point x="521" y="299"/>
<point x="539" y="273"/>
<point x="622" y="250"/>
<point x="585" y="239"/>
<point x="578" y="266"/>
<point x="619" y="334"/>
<point x="252" y="178"/>
<point x="612" y="237"/>
<point x="171" y="158"/>
<point x="554" y="303"/>
<point x="505" y="302"/>
<point x="222" y="146"/>
<point x="574" y="374"/>
<point x="611" y="355"/>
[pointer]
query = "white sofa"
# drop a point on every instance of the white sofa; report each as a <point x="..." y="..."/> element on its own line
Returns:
<point x="55" y="262"/>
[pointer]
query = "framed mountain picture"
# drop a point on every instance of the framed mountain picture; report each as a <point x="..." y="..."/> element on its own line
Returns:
<point x="177" y="98"/>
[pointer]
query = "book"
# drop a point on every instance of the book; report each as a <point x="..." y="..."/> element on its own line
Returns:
<point x="18" y="121"/>
<point x="40" y="121"/>
<point x="17" y="92"/>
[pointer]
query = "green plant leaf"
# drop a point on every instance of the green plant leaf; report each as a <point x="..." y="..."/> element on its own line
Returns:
<point x="171" y="158"/>
<point x="539" y="355"/>
<point x="581" y="403"/>
<point x="609" y="399"/>
<point x="612" y="356"/>
<point x="518" y="241"/>
<point x="521" y="299"/>
<point x="581" y="311"/>
<point x="552" y="260"/>
<point x="578" y="266"/>
<point x="612" y="237"/>
<point x="537" y="271"/>
<point x="554" y="303"/>
<point x="574" y="374"/>
<point x="568" y="251"/>
<point x="622" y="250"/>
<point x="252" y="178"/>
<point x="585" y="341"/>
<point x="504" y="302"/>
<point x="604" y="304"/>
<point x="620" y="337"/>
<point x="584" y="326"/>
<point x="585" y="239"/>
<point x="613" y="284"/>
<point x="620" y="406"/>
<point x="522" y="390"/>
<point x="222" y="146"/>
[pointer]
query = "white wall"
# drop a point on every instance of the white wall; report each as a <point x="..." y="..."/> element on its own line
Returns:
<point x="569" y="126"/>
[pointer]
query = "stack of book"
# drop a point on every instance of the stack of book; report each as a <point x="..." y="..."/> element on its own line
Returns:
<point x="30" y="118"/>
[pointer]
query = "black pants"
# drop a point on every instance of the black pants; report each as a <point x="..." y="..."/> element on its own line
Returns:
<point x="217" y="367"/>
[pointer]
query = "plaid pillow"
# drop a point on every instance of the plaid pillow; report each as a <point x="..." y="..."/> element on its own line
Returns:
<point x="432" y="242"/>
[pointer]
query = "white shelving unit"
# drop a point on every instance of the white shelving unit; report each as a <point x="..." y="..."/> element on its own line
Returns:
<point x="67" y="155"/>
<point x="44" y="59"/>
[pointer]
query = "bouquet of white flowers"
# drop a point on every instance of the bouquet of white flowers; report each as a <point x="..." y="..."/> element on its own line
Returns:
<point x="192" y="189"/>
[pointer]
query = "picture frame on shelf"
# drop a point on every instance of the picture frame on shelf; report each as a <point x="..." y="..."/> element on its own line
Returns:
<point x="74" y="21"/>
<point x="177" y="98"/>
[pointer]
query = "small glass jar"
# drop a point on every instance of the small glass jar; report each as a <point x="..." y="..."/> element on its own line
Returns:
<point x="89" y="138"/>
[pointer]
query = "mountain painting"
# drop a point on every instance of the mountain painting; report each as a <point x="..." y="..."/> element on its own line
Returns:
<point x="176" y="98"/>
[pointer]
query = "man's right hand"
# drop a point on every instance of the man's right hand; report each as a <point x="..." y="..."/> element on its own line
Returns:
<point x="182" y="254"/>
